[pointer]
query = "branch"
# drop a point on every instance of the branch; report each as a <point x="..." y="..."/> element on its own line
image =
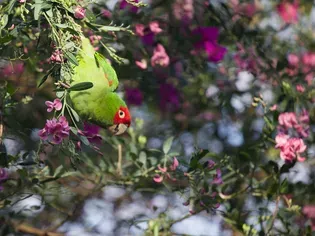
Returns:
<point x="23" y="228"/>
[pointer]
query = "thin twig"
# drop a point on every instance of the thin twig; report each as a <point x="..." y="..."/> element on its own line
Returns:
<point x="119" y="162"/>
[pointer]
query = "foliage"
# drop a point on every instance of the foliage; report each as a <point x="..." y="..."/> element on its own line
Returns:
<point x="221" y="94"/>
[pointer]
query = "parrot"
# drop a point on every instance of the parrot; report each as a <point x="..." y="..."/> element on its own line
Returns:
<point x="100" y="104"/>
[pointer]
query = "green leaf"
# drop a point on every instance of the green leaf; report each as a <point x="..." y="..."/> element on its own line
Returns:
<point x="143" y="159"/>
<point x="75" y="114"/>
<point x="43" y="80"/>
<point x="58" y="171"/>
<point x="84" y="140"/>
<point x="284" y="186"/>
<point x="4" y="21"/>
<point x="6" y="40"/>
<point x="37" y="8"/>
<point x="90" y="15"/>
<point x="81" y="86"/>
<point x="71" y="58"/>
<point x="62" y="26"/>
<point x="167" y="145"/>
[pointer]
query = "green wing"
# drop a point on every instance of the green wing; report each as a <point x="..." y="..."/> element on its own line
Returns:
<point x="109" y="71"/>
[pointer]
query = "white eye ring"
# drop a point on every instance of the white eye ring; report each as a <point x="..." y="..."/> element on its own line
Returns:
<point x="121" y="114"/>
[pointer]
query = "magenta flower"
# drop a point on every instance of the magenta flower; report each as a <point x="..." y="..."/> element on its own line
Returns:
<point x="288" y="11"/>
<point x="13" y="69"/>
<point x="56" y="104"/>
<point x="79" y="12"/>
<point x="207" y="43"/>
<point x="91" y="131"/>
<point x="134" y="96"/>
<point x="169" y="97"/>
<point x="160" y="57"/>
<point x="163" y="173"/>
<point x="125" y="5"/>
<point x="55" y="130"/>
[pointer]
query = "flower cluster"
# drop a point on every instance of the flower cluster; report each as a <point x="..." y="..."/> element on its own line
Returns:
<point x="290" y="148"/>
<point x="147" y="33"/>
<point x="12" y="69"/>
<point x="291" y="130"/>
<point x="164" y="173"/>
<point x="309" y="212"/>
<point x="207" y="43"/>
<point x="55" y="130"/>
<point x="290" y="123"/>
<point x="3" y="177"/>
<point x="57" y="56"/>
<point x="79" y="12"/>
<point x="160" y="57"/>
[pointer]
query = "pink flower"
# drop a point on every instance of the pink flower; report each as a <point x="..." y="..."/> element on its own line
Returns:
<point x="183" y="10"/>
<point x="300" y="88"/>
<point x="175" y="164"/>
<point x="160" y="57"/>
<point x="274" y="107"/>
<point x="158" y="178"/>
<point x="281" y="140"/>
<point x="55" y="130"/>
<point x="287" y="119"/>
<point x="309" y="212"/>
<point x="288" y="11"/>
<point x="106" y="13"/>
<point x="293" y="60"/>
<point x="56" y="104"/>
<point x="308" y="59"/>
<point x="79" y="12"/>
<point x="11" y="27"/>
<point x="142" y="64"/>
<point x="140" y="29"/>
<point x="57" y="56"/>
<point x="154" y="27"/>
<point x="22" y="1"/>
<point x="162" y="169"/>
<point x="290" y="148"/>
<point x="217" y="178"/>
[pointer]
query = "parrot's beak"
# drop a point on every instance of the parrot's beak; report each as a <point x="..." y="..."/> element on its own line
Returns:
<point x="118" y="129"/>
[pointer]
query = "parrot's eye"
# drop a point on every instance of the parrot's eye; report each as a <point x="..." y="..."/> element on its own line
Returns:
<point x="121" y="114"/>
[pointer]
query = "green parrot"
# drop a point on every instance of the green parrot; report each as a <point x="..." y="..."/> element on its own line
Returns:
<point x="99" y="104"/>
